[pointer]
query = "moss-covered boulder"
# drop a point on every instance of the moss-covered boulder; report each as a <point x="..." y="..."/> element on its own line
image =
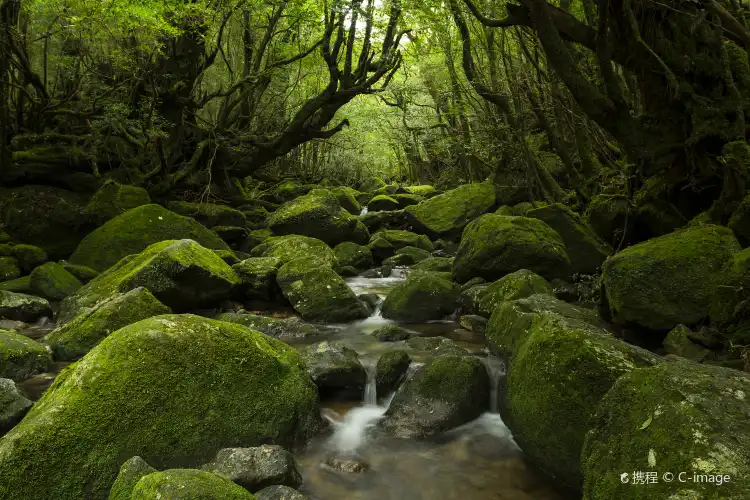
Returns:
<point x="516" y="285"/>
<point x="336" y="370"/>
<point x="392" y="333"/>
<point x="405" y="200"/>
<point x="258" y="277"/>
<point x="279" y="492"/>
<point x="318" y="215"/>
<point x="407" y="256"/>
<point x="347" y="198"/>
<point x="731" y="299"/>
<point x="286" y="248"/>
<point x="256" y="467"/>
<point x="558" y="374"/>
<point x="81" y="334"/>
<point x="254" y="239"/>
<point x="668" y="280"/>
<point x="421" y="297"/>
<point x="290" y="189"/>
<point x="434" y="264"/>
<point x="52" y="281"/>
<point x="372" y="184"/>
<point x="181" y="274"/>
<point x="495" y="245"/>
<point x="444" y="393"/>
<point x="172" y="389"/>
<point x="354" y="255"/>
<point x="29" y="256"/>
<point x="44" y="216"/>
<point x="447" y="214"/>
<point x="18" y="285"/>
<point x="680" y="417"/>
<point x="13" y="406"/>
<point x="585" y="249"/>
<point x="187" y="484"/>
<point x="9" y="268"/>
<point x="112" y="199"/>
<point x="134" y="230"/>
<point x="209" y="214"/>
<point x="83" y="273"/>
<point x="317" y="293"/>
<point x="678" y="342"/>
<point x="255" y="216"/>
<point x="739" y="222"/>
<point x="611" y="216"/>
<point x="130" y="473"/>
<point x="384" y="244"/>
<point x="376" y="221"/>
<point x="21" y="357"/>
<point x="280" y="328"/>
<point x="382" y="202"/>
<point x="420" y="190"/>
<point x="390" y="370"/>
<point x="22" y="307"/>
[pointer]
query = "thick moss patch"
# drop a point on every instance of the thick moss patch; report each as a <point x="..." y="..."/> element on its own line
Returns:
<point x="172" y="389"/>
<point x="286" y="248"/>
<point x="209" y="214"/>
<point x="136" y="229"/>
<point x="112" y="199"/>
<point x="21" y="357"/>
<point x="187" y="484"/>
<point x="516" y="285"/>
<point x="52" y="281"/>
<point x="421" y="297"/>
<point x="356" y="256"/>
<point x="446" y="215"/>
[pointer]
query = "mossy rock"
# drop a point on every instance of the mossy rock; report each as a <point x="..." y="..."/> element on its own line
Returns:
<point x="231" y="234"/>
<point x="9" y="268"/>
<point x="406" y="200"/>
<point x="181" y="274"/>
<point x="5" y="237"/>
<point x="84" y="332"/>
<point x="739" y="222"/>
<point x="136" y="229"/>
<point x="258" y="277"/>
<point x="53" y="282"/>
<point x="83" y="273"/>
<point x="130" y="473"/>
<point x="585" y="250"/>
<point x="517" y="285"/>
<point x="668" y="280"/>
<point x="384" y="244"/>
<point x="511" y="321"/>
<point x="495" y="245"/>
<point x="680" y="416"/>
<point x="209" y="214"/>
<point x="317" y="293"/>
<point x="611" y="217"/>
<point x="286" y="248"/>
<point x="284" y="329"/>
<point x="21" y="357"/>
<point x="23" y="307"/>
<point x="376" y="221"/>
<point x="392" y="333"/>
<point x="317" y="215"/>
<point x="382" y="202"/>
<point x="372" y="184"/>
<point x="420" y="190"/>
<point x="347" y="198"/>
<point x="351" y="254"/>
<point x="227" y="256"/>
<point x="505" y="210"/>
<point x="732" y="296"/>
<point x="390" y="370"/>
<point x="112" y="199"/>
<point x="18" y="285"/>
<point x="447" y="214"/>
<point x="13" y="406"/>
<point x="279" y="492"/>
<point x="256" y="467"/>
<point x="289" y="190"/>
<point x="387" y="190"/>
<point x="187" y="484"/>
<point x="434" y="264"/>
<point x="407" y="256"/>
<point x="421" y="297"/>
<point x="50" y="218"/>
<point x="559" y="373"/>
<point x="679" y="343"/>
<point x="29" y="256"/>
<point x="172" y="389"/>
<point x="254" y="239"/>
<point x="336" y="370"/>
<point x="255" y="216"/>
<point x="446" y="392"/>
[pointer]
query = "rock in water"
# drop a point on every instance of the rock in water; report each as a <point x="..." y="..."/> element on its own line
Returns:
<point x="187" y="484"/>
<point x="172" y="389"/>
<point x="447" y="214"/>
<point x="256" y="468"/>
<point x="392" y="333"/>
<point x="285" y="329"/>
<point x="21" y="357"/>
<point x="136" y="229"/>
<point x="13" y="406"/>
<point x="495" y="245"/>
<point x="384" y="244"/>
<point x="390" y="370"/>
<point x="81" y="334"/>
<point x="181" y="274"/>
<point x="421" y="297"/>
<point x="21" y="307"/>
<point x="444" y="393"/>
<point x="669" y="280"/>
<point x="279" y="493"/>
<point x="678" y="416"/>
<point x="336" y="370"/>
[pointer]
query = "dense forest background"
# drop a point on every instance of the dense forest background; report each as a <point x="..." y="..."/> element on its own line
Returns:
<point x="633" y="108"/>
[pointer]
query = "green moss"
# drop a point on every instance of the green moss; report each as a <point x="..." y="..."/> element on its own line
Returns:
<point x="421" y="190"/>
<point x="52" y="281"/>
<point x="21" y="307"/>
<point x="516" y="285"/>
<point x="435" y="264"/>
<point x="181" y="274"/>
<point x="400" y="239"/>
<point x="286" y="248"/>
<point x="254" y="239"/>
<point x="607" y="215"/>
<point x="18" y="285"/>
<point x="372" y="184"/>
<point x="555" y="380"/>
<point x="209" y="214"/>
<point x="407" y="256"/>
<point x="83" y="273"/>
<point x="29" y="256"/>
<point x="739" y="222"/>
<point x="227" y="256"/>
<point x="289" y="190"/>
<point x="669" y="280"/>
<point x="347" y="198"/>
<point x="21" y="357"/>
<point x="495" y="245"/>
<point x="354" y="255"/>
<point x="258" y="277"/>
<point x="9" y="269"/>
<point x="681" y="417"/>
<point x="172" y="389"/>
<point x="77" y="337"/>
<point x="421" y="297"/>
<point x="731" y="296"/>
<point x="382" y="202"/>
<point x="112" y="199"/>
<point x="133" y="231"/>
<point x="188" y="484"/>
<point x="130" y="473"/>
<point x="390" y="369"/>
<point x="447" y="214"/>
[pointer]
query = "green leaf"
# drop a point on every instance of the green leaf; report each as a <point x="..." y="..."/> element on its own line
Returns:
<point x="647" y="422"/>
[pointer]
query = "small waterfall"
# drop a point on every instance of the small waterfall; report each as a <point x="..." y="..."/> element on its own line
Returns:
<point x="364" y="210"/>
<point x="371" y="391"/>
<point x="495" y="370"/>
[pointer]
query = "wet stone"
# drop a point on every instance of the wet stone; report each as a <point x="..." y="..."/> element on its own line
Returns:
<point x="256" y="468"/>
<point x="346" y="465"/>
<point x="279" y="492"/>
